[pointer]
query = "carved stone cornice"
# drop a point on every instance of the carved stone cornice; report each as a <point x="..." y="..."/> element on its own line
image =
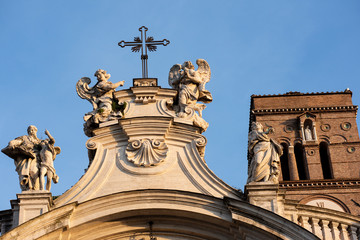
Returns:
<point x="149" y="127"/>
<point x="145" y="95"/>
<point x="320" y="184"/>
<point x="138" y="92"/>
<point x="145" y="82"/>
<point x="300" y="110"/>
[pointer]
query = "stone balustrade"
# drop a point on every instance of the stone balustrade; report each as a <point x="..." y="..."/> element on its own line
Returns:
<point x="325" y="223"/>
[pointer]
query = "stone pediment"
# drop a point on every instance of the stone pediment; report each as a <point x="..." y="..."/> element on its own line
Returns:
<point x="149" y="147"/>
<point x="306" y="115"/>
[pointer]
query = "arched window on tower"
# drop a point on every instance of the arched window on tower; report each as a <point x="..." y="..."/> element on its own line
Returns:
<point x="325" y="160"/>
<point x="284" y="161"/>
<point x="300" y="161"/>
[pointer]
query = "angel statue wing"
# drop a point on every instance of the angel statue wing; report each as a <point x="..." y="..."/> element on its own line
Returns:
<point x="205" y="74"/>
<point x="175" y="75"/>
<point x="85" y="92"/>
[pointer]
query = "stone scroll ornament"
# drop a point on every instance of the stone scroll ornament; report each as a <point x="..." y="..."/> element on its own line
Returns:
<point x="105" y="107"/>
<point x="264" y="154"/>
<point x="34" y="159"/>
<point x="146" y="152"/>
<point x="190" y="85"/>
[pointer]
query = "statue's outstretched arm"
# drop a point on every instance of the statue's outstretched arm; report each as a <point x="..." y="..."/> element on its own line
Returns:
<point x="15" y="143"/>
<point x="52" y="140"/>
<point x="118" y="84"/>
<point x="111" y="86"/>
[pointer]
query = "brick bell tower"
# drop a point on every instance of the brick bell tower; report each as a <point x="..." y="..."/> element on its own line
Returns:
<point x="318" y="131"/>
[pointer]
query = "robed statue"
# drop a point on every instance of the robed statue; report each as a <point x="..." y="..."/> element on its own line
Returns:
<point x="265" y="155"/>
<point x="33" y="160"/>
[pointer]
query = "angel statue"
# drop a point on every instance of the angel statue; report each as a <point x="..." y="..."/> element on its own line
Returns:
<point x="191" y="86"/>
<point x="101" y="97"/>
<point x="265" y="155"/>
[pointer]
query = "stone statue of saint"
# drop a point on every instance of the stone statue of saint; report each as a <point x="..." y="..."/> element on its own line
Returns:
<point x="265" y="155"/>
<point x="24" y="151"/>
<point x="308" y="134"/>
<point x="30" y="155"/>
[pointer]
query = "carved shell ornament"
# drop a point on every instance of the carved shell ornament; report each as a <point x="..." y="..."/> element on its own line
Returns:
<point x="146" y="152"/>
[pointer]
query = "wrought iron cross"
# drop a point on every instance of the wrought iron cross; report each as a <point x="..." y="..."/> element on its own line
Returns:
<point x="144" y="43"/>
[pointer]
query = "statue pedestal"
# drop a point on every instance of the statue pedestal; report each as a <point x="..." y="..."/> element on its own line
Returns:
<point x="32" y="204"/>
<point x="266" y="195"/>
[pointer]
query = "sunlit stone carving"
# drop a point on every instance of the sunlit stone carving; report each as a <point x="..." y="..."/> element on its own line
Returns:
<point x="34" y="159"/>
<point x="146" y="152"/>
<point x="105" y="107"/>
<point x="190" y="85"/>
<point x="265" y="155"/>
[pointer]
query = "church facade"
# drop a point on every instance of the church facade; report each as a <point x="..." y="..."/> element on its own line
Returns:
<point x="148" y="179"/>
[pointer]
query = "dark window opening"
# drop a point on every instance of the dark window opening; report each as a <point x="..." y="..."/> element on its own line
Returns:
<point x="300" y="161"/>
<point x="284" y="161"/>
<point x="308" y="123"/>
<point x="325" y="160"/>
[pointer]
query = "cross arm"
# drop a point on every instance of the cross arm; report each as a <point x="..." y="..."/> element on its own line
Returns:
<point x="163" y="42"/>
<point x="124" y="44"/>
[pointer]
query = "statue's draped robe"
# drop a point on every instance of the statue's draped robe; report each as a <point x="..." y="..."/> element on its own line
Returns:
<point x="190" y="90"/>
<point x="265" y="157"/>
<point x="308" y="134"/>
<point x="24" y="153"/>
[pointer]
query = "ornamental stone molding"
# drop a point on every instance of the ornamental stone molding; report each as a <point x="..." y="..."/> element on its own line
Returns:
<point x="299" y="110"/>
<point x="200" y="144"/>
<point x="325" y="127"/>
<point x="145" y="82"/>
<point x="146" y="152"/>
<point x="346" y="126"/>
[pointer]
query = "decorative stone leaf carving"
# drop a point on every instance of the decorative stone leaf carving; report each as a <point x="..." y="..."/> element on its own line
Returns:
<point x="146" y="152"/>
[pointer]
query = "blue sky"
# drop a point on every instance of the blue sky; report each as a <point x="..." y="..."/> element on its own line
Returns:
<point x="253" y="47"/>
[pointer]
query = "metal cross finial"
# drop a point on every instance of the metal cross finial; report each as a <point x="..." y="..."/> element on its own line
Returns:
<point x="144" y="43"/>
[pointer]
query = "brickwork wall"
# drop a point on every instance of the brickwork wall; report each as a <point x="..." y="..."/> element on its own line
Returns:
<point x="303" y="100"/>
<point x="334" y="118"/>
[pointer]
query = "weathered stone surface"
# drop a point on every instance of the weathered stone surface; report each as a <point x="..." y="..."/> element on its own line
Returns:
<point x="264" y="153"/>
<point x="190" y="85"/>
<point x="102" y="99"/>
<point x="34" y="159"/>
